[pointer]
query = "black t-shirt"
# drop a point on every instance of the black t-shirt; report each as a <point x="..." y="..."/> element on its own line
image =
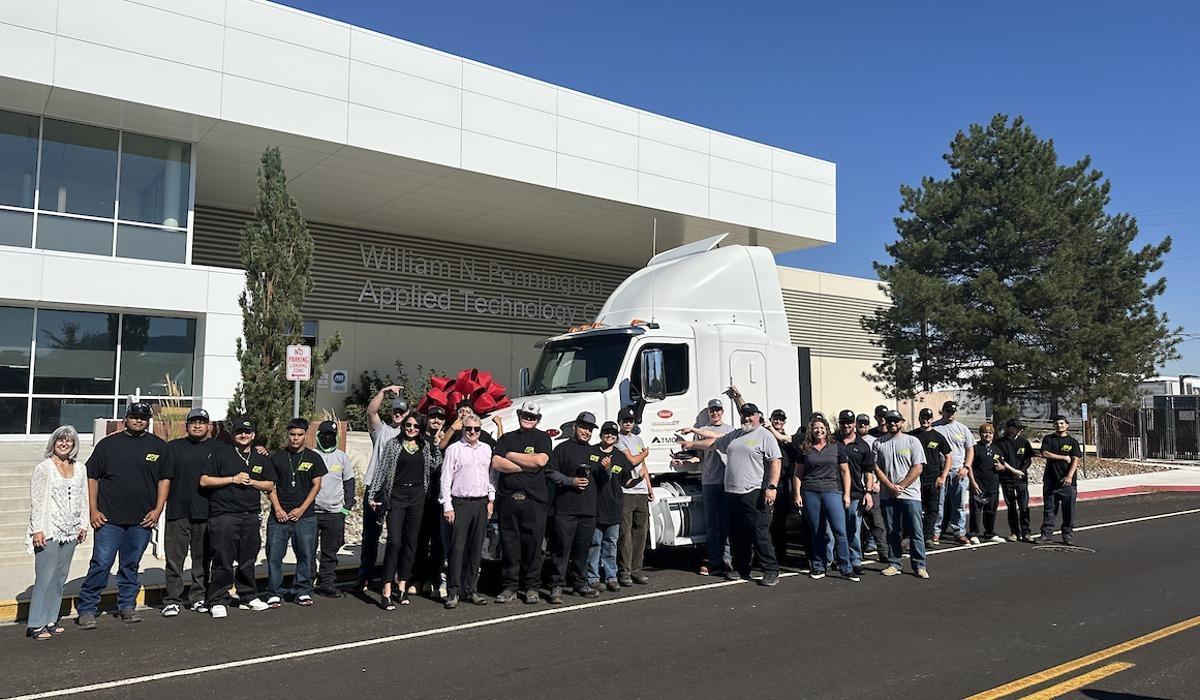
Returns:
<point x="936" y="448"/>
<point x="1056" y="469"/>
<point x="532" y="484"/>
<point x="1018" y="454"/>
<point x="861" y="459"/>
<point x="984" y="466"/>
<point x="787" y="465"/>
<point x="611" y="499"/>
<point x="185" y="464"/>
<point x="818" y="469"/>
<point x="128" y="469"/>
<point x="410" y="469"/>
<point x="878" y="431"/>
<point x="227" y="460"/>
<point x="295" y="472"/>
<point x="571" y="459"/>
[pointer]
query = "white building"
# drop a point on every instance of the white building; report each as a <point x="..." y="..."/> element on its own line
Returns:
<point x="460" y="212"/>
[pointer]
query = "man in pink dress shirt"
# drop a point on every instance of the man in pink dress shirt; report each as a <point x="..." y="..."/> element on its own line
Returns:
<point x="467" y="494"/>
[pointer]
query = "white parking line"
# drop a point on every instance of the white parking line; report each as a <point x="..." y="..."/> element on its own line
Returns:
<point x="243" y="663"/>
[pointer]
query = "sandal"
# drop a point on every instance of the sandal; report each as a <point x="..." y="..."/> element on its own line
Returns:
<point x="304" y="601"/>
<point x="404" y="599"/>
<point x="55" y="629"/>
<point x="40" y="634"/>
<point x="385" y="602"/>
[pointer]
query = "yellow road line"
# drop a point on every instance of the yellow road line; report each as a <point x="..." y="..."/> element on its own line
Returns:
<point x="1056" y="691"/>
<point x="1043" y="676"/>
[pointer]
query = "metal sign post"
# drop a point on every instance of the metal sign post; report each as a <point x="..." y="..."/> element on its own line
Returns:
<point x="298" y="369"/>
<point x="1083" y="457"/>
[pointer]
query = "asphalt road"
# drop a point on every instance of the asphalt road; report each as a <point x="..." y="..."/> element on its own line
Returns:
<point x="989" y="615"/>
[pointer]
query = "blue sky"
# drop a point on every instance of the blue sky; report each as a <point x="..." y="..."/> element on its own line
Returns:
<point x="878" y="88"/>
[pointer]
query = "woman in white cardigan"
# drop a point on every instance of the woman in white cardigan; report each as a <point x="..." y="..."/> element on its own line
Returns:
<point x="58" y="520"/>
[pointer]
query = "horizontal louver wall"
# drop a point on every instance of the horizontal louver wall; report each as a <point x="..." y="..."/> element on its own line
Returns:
<point x="830" y="325"/>
<point x="396" y="279"/>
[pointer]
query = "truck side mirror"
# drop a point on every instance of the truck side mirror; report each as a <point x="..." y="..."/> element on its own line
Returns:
<point x="654" y="385"/>
<point x="523" y="381"/>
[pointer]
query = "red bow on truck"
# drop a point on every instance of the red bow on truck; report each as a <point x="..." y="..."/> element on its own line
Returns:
<point x="476" y="386"/>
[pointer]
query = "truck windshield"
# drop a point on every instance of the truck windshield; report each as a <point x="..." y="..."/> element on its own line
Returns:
<point x="579" y="364"/>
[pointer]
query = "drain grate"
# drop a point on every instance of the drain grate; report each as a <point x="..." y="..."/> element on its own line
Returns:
<point x="1074" y="549"/>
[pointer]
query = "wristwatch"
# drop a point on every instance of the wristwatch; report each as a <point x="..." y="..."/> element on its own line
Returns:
<point x="772" y="487"/>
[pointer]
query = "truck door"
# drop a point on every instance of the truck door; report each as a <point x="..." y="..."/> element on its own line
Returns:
<point x="748" y="371"/>
<point x="677" y="409"/>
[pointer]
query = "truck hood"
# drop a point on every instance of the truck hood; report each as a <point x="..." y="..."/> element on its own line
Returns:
<point x="557" y="409"/>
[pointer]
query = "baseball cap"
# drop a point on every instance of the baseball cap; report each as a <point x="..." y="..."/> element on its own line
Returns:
<point x="817" y="415"/>
<point x="862" y="419"/>
<point x="750" y="409"/>
<point x="609" y="427"/>
<point x="197" y="414"/>
<point x="1014" y="423"/>
<point x="1061" y="417"/>
<point x="880" y="410"/>
<point x="241" y="424"/>
<point x="925" y="413"/>
<point x="435" y="411"/>
<point x="778" y="414"/>
<point x="300" y="423"/>
<point x="950" y="407"/>
<point x="846" y="416"/>
<point x="587" y="419"/>
<point x="626" y="414"/>
<point x="327" y="426"/>
<point x="399" y="405"/>
<point x="716" y="403"/>
<point x="531" y="407"/>
<point x="892" y="417"/>
<point x="138" y="409"/>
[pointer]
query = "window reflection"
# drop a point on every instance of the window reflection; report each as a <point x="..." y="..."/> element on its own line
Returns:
<point x="16" y="330"/>
<point x="18" y="158"/>
<point x="49" y="414"/>
<point x="155" y="178"/>
<point x="74" y="235"/>
<point x="79" y="169"/>
<point x="76" y="352"/>
<point x="155" y="351"/>
<point x="16" y="228"/>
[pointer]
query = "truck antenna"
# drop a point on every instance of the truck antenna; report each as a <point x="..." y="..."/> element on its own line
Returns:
<point x="653" y="252"/>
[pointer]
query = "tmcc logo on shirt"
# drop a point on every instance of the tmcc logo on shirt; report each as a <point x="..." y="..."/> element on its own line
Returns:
<point x="256" y="469"/>
<point x="304" y="466"/>
<point x="529" y="450"/>
<point x="152" y="457"/>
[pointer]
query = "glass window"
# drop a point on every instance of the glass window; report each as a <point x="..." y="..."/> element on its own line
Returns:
<point x="74" y="235"/>
<point x="49" y="414"/>
<point x="155" y="179"/>
<point x="584" y="363"/>
<point x="79" y="169"/>
<point x="16" y="332"/>
<point x="16" y="228"/>
<point x="76" y="352"/>
<point x="18" y="158"/>
<point x="675" y="368"/>
<point x="147" y="243"/>
<point x="12" y="415"/>
<point x="155" y="351"/>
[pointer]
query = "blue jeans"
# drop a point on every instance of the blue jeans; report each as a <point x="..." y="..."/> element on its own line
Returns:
<point x="303" y="534"/>
<point x="716" y="526"/>
<point x="603" y="553"/>
<point x="50" y="567"/>
<point x="824" y="509"/>
<point x="854" y="521"/>
<point x="952" y="504"/>
<point x="903" y="518"/>
<point x="112" y="541"/>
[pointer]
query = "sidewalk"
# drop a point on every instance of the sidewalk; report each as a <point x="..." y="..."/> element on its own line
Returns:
<point x="1185" y="479"/>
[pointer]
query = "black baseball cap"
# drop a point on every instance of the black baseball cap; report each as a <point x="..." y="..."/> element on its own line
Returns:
<point x="295" y="423"/>
<point x="749" y="409"/>
<point x="880" y="410"/>
<point x="778" y="414"/>
<point x="1014" y="424"/>
<point x="626" y="414"/>
<point x="435" y="411"/>
<point x="846" y="416"/>
<point x="327" y="426"/>
<point x="950" y="407"/>
<point x="609" y="427"/>
<point x="241" y="424"/>
<point x="399" y="405"/>
<point x="138" y="409"/>
<point x="925" y="413"/>
<point x="197" y="414"/>
<point x="587" y="419"/>
<point x="1061" y="417"/>
<point x="892" y="417"/>
<point x="863" y="419"/>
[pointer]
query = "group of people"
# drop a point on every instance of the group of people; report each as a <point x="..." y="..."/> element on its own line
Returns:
<point x="434" y="488"/>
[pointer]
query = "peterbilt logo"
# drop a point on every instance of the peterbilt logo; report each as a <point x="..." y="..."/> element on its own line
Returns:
<point x="664" y="414"/>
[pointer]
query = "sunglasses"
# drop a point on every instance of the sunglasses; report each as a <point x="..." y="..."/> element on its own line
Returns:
<point x="471" y="431"/>
<point x="411" y="425"/>
<point x="243" y="432"/>
<point x="528" y="416"/>
<point x="716" y="410"/>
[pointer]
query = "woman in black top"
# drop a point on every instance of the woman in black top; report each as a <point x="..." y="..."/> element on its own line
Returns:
<point x="985" y="487"/>
<point x="822" y="487"/>
<point x="398" y="491"/>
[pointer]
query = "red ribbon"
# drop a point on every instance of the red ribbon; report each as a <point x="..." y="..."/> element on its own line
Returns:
<point x="477" y="387"/>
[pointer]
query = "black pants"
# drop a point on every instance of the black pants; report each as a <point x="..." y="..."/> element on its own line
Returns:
<point x="522" y="528"/>
<point x="784" y="506"/>
<point x="983" y="515"/>
<point x="233" y="537"/>
<point x="572" y="537"/>
<point x="431" y="554"/>
<point x="872" y="527"/>
<point x="368" y="556"/>
<point x="180" y="536"/>
<point x="405" y="509"/>
<point x="930" y="493"/>
<point x="466" y="544"/>
<point x="750" y="531"/>
<point x="331" y="535"/>
<point x="1016" y="498"/>
<point x="1062" y="498"/>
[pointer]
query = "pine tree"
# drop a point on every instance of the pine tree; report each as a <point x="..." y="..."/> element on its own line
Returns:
<point x="277" y="255"/>
<point x="1010" y="280"/>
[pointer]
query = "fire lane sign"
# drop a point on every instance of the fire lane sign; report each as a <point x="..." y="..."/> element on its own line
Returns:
<point x="299" y="363"/>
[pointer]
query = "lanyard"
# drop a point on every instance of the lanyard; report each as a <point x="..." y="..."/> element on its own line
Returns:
<point x="293" y="466"/>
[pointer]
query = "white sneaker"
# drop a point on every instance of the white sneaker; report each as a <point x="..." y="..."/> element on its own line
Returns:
<point x="274" y="601"/>
<point x="996" y="538"/>
<point x="218" y="611"/>
<point x="974" y="540"/>
<point x="442" y="592"/>
<point x="170" y="610"/>
<point x="199" y="607"/>
<point x="255" y="604"/>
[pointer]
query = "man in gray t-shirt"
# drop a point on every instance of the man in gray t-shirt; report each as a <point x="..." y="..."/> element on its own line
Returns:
<point x="635" y="506"/>
<point x="712" y="485"/>
<point x="899" y="458"/>
<point x="952" y="513"/>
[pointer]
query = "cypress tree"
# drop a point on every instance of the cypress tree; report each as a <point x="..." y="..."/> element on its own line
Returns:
<point x="276" y="253"/>
<point x="1010" y="280"/>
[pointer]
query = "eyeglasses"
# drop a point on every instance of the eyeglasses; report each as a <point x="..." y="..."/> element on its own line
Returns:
<point x="411" y="425"/>
<point x="471" y="431"/>
<point x="626" y="420"/>
<point x="716" y="410"/>
<point x="527" y="416"/>
<point x="243" y="432"/>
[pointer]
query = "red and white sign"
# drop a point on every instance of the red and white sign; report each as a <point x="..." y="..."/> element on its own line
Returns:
<point x="665" y="414"/>
<point x="299" y="363"/>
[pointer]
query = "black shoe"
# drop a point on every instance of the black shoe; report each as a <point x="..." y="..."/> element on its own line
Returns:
<point x="555" y="596"/>
<point x="451" y="601"/>
<point x="506" y="596"/>
<point x="769" y="579"/>
<point x="858" y="571"/>
<point x="587" y="592"/>
<point x="86" y="621"/>
<point x="854" y="574"/>
<point x="1067" y="541"/>
<point x="330" y="592"/>
<point x="625" y="581"/>
<point x="532" y="597"/>
<point x="477" y="599"/>
<point x="640" y="579"/>
<point x="129" y="616"/>
<point x="612" y="585"/>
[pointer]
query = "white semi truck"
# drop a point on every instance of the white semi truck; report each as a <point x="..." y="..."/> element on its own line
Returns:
<point x="672" y="336"/>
